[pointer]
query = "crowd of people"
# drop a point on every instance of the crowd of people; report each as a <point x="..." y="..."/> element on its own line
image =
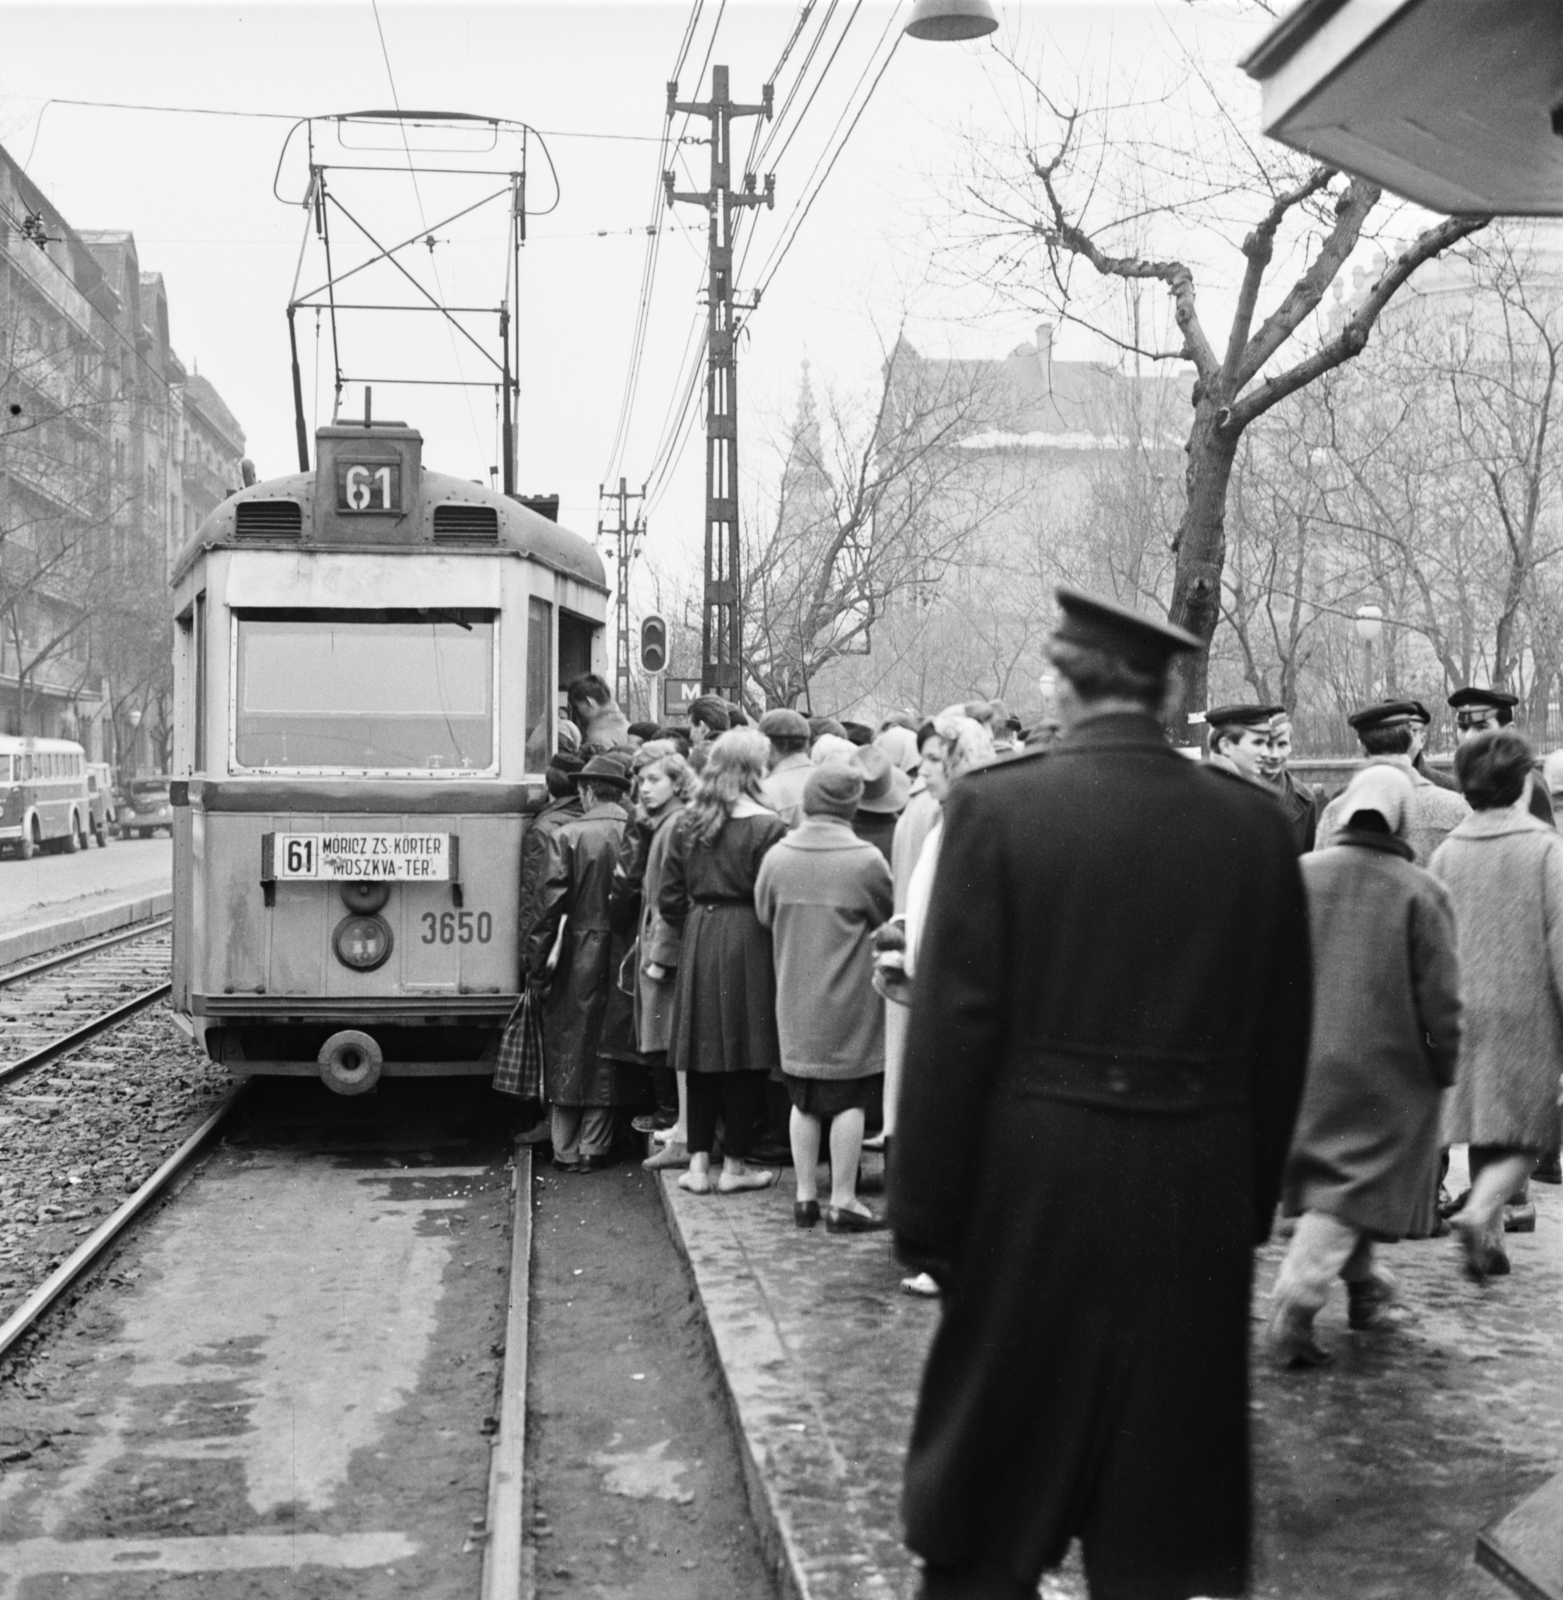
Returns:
<point x="1105" y="1012"/>
<point x="719" y="922"/>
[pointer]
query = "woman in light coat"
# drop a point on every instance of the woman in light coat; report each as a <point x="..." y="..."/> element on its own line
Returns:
<point x="822" y="892"/>
<point x="1383" y="1046"/>
<point x="665" y="784"/>
<point x="1504" y="872"/>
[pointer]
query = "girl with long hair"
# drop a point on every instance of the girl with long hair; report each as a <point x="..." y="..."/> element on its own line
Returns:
<point x="723" y="1032"/>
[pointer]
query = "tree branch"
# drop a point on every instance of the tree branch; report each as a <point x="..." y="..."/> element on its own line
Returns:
<point x="1354" y="334"/>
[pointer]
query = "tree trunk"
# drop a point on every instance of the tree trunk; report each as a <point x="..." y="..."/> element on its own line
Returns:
<point x="1201" y="551"/>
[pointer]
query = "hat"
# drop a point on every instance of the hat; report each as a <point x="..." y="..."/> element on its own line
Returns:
<point x="900" y="744"/>
<point x="1386" y="713"/>
<point x="832" y="747"/>
<point x="566" y="761"/>
<point x="1102" y="625"/>
<point x="833" y="790"/>
<point x="604" y="770"/>
<point x="1241" y="716"/>
<point x="785" y="723"/>
<point x="567" y="734"/>
<point x="885" y="787"/>
<point x="1497" y="699"/>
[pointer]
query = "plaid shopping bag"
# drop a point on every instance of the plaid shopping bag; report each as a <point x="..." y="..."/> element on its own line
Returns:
<point x="519" y="1070"/>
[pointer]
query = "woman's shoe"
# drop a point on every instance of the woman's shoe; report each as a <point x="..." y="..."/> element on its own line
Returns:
<point x="1519" y="1218"/>
<point x="1483" y="1258"/>
<point x="670" y="1155"/>
<point x="921" y="1286"/>
<point x="842" y="1219"/>
<point x="805" y="1212"/>
<point x="740" y="1183"/>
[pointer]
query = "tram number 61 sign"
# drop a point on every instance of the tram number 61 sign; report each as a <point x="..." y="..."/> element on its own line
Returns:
<point x="369" y="486"/>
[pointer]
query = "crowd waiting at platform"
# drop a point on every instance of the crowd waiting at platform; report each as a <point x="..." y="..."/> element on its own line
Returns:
<point x="1106" y="1010"/>
<point x="721" y="917"/>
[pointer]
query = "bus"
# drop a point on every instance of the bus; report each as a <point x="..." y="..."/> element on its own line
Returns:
<point x="46" y="805"/>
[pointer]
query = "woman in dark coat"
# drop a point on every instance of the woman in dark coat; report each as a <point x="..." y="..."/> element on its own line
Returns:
<point x="1384" y="1042"/>
<point x="580" y="1079"/>
<point x="724" y="999"/>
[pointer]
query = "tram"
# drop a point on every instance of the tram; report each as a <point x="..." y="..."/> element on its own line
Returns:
<point x="368" y="664"/>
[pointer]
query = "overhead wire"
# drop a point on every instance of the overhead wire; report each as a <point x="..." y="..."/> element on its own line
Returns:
<point x="653" y="243"/>
<point x="772" y="263"/>
<point x="412" y="172"/>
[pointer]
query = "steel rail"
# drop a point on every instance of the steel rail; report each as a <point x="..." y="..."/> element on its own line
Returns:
<point x="88" y="1030"/>
<point x="138" y="930"/>
<point x="77" y="1262"/>
<point x="507" y="1558"/>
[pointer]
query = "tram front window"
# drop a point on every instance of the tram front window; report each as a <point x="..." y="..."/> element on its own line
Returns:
<point x="382" y="691"/>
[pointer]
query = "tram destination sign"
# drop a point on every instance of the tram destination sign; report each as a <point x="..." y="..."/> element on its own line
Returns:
<point x="357" y="857"/>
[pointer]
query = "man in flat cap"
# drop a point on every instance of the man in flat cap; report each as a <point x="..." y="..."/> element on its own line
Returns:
<point x="1114" y="977"/>
<point x="1480" y="710"/>
<point x="1256" y="742"/>
<point x="1394" y="731"/>
<point x="783" y="788"/>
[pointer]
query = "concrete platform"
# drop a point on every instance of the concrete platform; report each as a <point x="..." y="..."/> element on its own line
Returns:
<point x="1372" y="1477"/>
<point x="46" y="928"/>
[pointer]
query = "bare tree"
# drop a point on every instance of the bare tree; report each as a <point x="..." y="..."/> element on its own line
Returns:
<point x="873" y="505"/>
<point x="1124" y="188"/>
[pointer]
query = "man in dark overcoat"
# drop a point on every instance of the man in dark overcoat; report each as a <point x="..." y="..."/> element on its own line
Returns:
<point x="1114" y="979"/>
<point x="581" y="1079"/>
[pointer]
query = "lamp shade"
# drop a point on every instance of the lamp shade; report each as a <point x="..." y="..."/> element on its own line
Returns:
<point x="951" y="19"/>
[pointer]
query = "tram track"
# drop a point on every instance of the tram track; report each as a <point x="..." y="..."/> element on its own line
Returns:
<point x="313" y="1355"/>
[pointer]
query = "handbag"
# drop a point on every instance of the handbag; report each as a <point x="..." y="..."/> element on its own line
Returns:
<point x="519" y="1069"/>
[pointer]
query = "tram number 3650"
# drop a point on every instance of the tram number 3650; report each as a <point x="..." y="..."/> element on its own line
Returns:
<point x="457" y="927"/>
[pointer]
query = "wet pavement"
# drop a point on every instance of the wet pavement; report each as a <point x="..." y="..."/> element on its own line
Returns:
<point x="1372" y="1476"/>
<point x="281" y="1379"/>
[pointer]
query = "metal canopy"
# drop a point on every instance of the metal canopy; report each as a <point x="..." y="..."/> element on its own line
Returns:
<point x="1448" y="102"/>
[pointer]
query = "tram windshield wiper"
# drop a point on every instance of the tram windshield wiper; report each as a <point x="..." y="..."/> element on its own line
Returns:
<point x="450" y="616"/>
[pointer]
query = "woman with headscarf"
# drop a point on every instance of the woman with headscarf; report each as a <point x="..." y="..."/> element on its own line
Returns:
<point x="723" y="1030"/>
<point x="1503" y="868"/>
<point x="1383" y="1046"/>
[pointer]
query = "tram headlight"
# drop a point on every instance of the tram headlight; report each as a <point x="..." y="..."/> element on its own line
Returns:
<point x="362" y="942"/>
<point x="365" y="897"/>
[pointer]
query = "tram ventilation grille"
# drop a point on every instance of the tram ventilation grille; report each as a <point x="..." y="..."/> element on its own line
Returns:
<point x="466" y="524"/>
<point x="268" y="519"/>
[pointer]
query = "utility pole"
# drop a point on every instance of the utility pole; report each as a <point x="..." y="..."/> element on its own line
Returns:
<point x="627" y="544"/>
<point x="721" y="630"/>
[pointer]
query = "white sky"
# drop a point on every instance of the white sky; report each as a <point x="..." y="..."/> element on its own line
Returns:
<point x="196" y="192"/>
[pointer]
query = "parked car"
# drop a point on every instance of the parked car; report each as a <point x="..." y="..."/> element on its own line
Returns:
<point x="149" y="808"/>
<point x="101" y="801"/>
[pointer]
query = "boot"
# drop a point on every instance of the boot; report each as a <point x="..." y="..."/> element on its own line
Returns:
<point x="1368" y="1305"/>
<point x="1289" y="1339"/>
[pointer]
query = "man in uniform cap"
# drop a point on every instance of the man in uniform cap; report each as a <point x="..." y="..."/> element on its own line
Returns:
<point x="783" y="789"/>
<point x="1394" y="731"/>
<point x="1256" y="742"/>
<point x="1114" y="976"/>
<point x="1478" y="710"/>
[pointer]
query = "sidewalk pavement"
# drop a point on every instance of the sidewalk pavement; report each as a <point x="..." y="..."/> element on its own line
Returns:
<point x="41" y="928"/>
<point x="1372" y="1476"/>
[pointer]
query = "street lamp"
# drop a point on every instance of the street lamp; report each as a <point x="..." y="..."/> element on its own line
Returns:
<point x="1370" y="628"/>
<point x="951" y="19"/>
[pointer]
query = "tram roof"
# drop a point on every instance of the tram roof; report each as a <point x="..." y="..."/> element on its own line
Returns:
<point x="521" y="530"/>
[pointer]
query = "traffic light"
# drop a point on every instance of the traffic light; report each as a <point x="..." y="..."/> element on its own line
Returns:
<point x="653" y="644"/>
